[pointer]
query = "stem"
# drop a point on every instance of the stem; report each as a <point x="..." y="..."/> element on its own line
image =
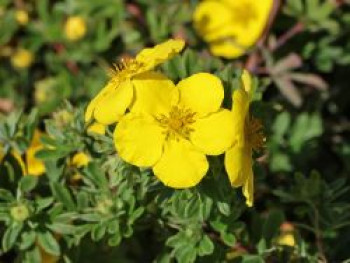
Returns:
<point x="282" y="40"/>
<point x="318" y="235"/>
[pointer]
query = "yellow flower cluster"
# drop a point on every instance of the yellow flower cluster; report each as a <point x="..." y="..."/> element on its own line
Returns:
<point x="231" y="27"/>
<point x="172" y="128"/>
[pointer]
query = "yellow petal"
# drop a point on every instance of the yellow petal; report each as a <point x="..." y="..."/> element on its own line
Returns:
<point x="151" y="57"/>
<point x="97" y="128"/>
<point x="80" y="159"/>
<point x="154" y="93"/>
<point x="213" y="134"/>
<point x="35" y="166"/>
<point x="250" y="18"/>
<point x="111" y="107"/>
<point x="234" y="165"/>
<point x="92" y="105"/>
<point x="286" y="240"/>
<point x="227" y="48"/>
<point x="247" y="82"/>
<point x="181" y="165"/>
<point x="213" y="20"/>
<point x="139" y="139"/>
<point x="248" y="186"/>
<point x="202" y="93"/>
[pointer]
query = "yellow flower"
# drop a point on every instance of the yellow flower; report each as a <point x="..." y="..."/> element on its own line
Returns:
<point x="231" y="26"/>
<point x="247" y="137"/>
<point x="97" y="128"/>
<point x="172" y="128"/>
<point x="114" y="99"/>
<point x="35" y="166"/>
<point x="22" y="17"/>
<point x="22" y="58"/>
<point x="75" y="28"/>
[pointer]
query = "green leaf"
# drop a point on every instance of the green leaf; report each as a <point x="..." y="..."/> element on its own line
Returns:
<point x="48" y="242"/>
<point x="27" y="183"/>
<point x="28" y="239"/>
<point x="63" y="195"/>
<point x="272" y="224"/>
<point x="205" y="246"/>
<point x="10" y="236"/>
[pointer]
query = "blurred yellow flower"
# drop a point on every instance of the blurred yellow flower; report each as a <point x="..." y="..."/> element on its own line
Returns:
<point x="22" y="17"/>
<point x="22" y="58"/>
<point x="46" y="257"/>
<point x="248" y="136"/>
<point x="97" y="128"/>
<point x="286" y="237"/>
<point x="35" y="166"/>
<point x="75" y="28"/>
<point x="172" y="128"/>
<point x="79" y="160"/>
<point x="231" y="26"/>
<point x="114" y="99"/>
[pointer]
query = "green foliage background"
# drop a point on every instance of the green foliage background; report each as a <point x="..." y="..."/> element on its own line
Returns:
<point x="118" y="213"/>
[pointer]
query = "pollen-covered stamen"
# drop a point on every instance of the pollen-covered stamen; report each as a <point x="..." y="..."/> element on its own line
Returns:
<point x="126" y="68"/>
<point x="177" y="123"/>
<point x="254" y="134"/>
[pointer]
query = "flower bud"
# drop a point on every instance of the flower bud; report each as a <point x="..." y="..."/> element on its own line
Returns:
<point x="22" y="17"/>
<point x="75" y="28"/>
<point x="22" y="58"/>
<point x="19" y="213"/>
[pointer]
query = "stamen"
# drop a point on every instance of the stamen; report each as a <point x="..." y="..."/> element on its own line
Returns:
<point x="177" y="123"/>
<point x="254" y="134"/>
<point x="126" y="68"/>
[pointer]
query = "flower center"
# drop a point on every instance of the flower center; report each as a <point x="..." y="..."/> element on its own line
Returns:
<point x="254" y="134"/>
<point x="244" y="13"/>
<point x="177" y="123"/>
<point x="126" y="68"/>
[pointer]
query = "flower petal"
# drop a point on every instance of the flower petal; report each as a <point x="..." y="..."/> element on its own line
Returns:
<point x="234" y="165"/>
<point x="112" y="106"/>
<point x="151" y="57"/>
<point x="248" y="186"/>
<point x="227" y="48"/>
<point x="97" y="128"/>
<point x="139" y="139"/>
<point x="92" y="105"/>
<point x="214" y="133"/>
<point x="154" y="93"/>
<point x="202" y="93"/>
<point x="209" y="24"/>
<point x="181" y="165"/>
